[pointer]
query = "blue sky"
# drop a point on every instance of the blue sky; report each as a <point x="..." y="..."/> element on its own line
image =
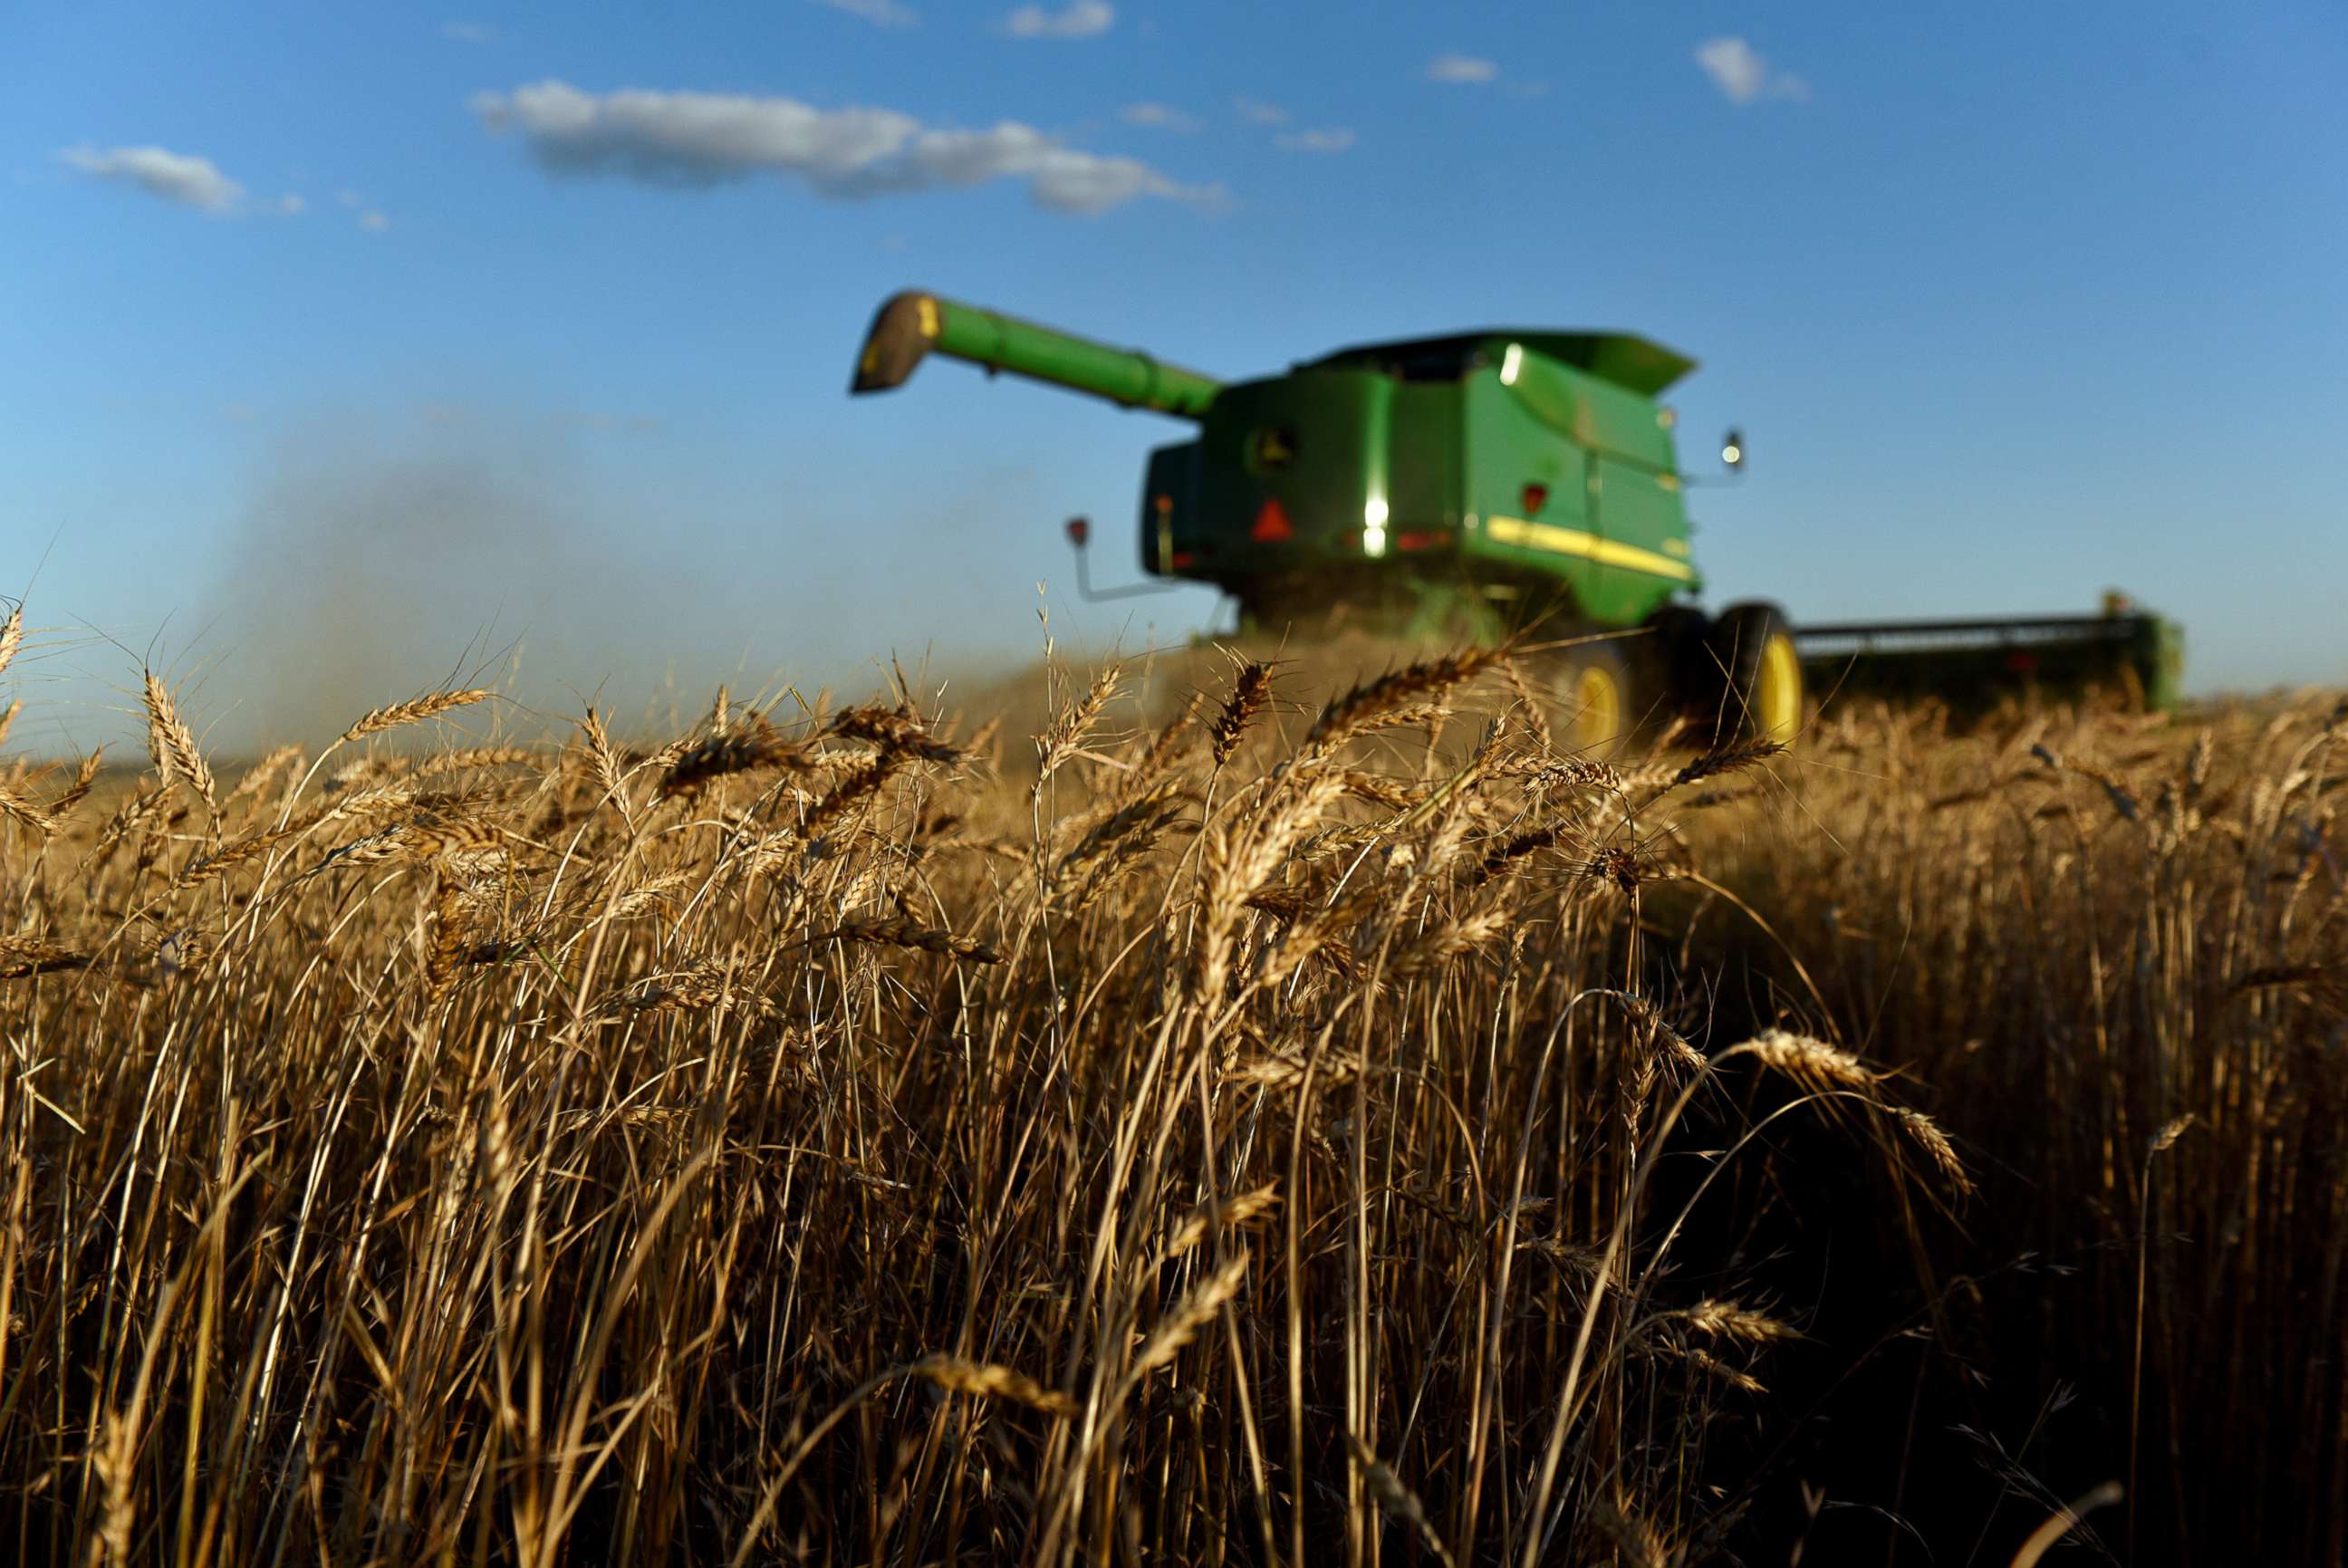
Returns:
<point x="343" y="339"/>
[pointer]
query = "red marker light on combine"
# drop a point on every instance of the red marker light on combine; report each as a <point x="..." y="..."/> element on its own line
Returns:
<point x="1422" y="539"/>
<point x="1080" y="531"/>
<point x="1271" y="524"/>
<point x="1536" y="497"/>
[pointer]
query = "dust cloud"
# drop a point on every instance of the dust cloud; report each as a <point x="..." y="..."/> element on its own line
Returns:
<point x="372" y="565"/>
<point x="377" y="561"/>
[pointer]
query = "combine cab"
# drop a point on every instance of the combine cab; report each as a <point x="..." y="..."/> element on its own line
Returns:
<point x="1471" y="484"/>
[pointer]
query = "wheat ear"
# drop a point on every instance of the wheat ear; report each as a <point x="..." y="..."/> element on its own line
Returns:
<point x="413" y="711"/>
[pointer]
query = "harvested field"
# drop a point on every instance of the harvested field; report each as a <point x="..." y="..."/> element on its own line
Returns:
<point x="1310" y="1123"/>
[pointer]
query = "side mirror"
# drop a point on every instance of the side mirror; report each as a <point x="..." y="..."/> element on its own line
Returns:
<point x="1732" y="449"/>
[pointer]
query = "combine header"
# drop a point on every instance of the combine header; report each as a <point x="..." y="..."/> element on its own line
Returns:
<point x="1468" y="484"/>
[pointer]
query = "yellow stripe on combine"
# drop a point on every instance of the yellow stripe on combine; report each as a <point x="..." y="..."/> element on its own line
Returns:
<point x="1574" y="542"/>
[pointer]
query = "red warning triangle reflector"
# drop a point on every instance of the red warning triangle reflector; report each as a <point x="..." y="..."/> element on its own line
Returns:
<point x="1271" y="524"/>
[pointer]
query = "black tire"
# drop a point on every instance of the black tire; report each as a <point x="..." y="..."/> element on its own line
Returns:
<point x="1675" y="664"/>
<point x="1755" y="675"/>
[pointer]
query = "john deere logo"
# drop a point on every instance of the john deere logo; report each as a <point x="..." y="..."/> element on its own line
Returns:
<point x="1271" y="448"/>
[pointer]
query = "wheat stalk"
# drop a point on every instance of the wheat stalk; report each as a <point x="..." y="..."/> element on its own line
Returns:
<point x="1231" y="1214"/>
<point x="171" y="742"/>
<point x="1251" y="687"/>
<point x="893" y="732"/>
<point x="741" y="750"/>
<point x="1074" y="724"/>
<point x="1727" y="1320"/>
<point x="85" y="780"/>
<point x="1811" y="1061"/>
<point x="902" y="932"/>
<point x="228" y="857"/>
<point x="415" y="710"/>
<point x="131" y="815"/>
<point x="2166" y="1138"/>
<point x="989" y="1381"/>
<point x="1179" y="1328"/>
<point x="1413" y="686"/>
<point x="1726" y="759"/>
<point x="1395" y="1498"/>
<point x="19" y="809"/>
<point x="23" y="956"/>
<point x="1928" y="1136"/>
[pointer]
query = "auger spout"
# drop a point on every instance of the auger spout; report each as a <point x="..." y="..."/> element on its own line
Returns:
<point x="913" y="325"/>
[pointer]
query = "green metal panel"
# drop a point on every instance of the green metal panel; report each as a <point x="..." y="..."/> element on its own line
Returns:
<point x="1424" y="486"/>
<point x="1611" y="525"/>
<point x="1333" y="450"/>
<point x="1510" y="446"/>
<point x="913" y="325"/>
<point x="1314" y="443"/>
<point x="1591" y="412"/>
<point x="1638" y="511"/>
<point x="1374" y="525"/>
<point x="2160" y="654"/>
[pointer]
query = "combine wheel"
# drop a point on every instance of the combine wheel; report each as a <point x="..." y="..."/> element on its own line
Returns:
<point x="1674" y="658"/>
<point x="1592" y="691"/>
<point x="1752" y="645"/>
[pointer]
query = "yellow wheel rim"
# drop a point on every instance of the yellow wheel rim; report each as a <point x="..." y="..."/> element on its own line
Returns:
<point x="1778" y="690"/>
<point x="1593" y="700"/>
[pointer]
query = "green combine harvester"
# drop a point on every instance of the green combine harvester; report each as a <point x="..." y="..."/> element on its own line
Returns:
<point x="1472" y="485"/>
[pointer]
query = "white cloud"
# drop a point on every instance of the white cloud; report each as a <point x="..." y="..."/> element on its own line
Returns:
<point x="1158" y="115"/>
<point x="178" y="177"/>
<point x="1335" y="138"/>
<point x="1255" y="111"/>
<point x="879" y="12"/>
<point x="1076" y="19"/>
<point x="1461" y="69"/>
<point x="691" y="138"/>
<point x="468" y="33"/>
<point x="1743" y="76"/>
<point x="289" y="204"/>
<point x="375" y="222"/>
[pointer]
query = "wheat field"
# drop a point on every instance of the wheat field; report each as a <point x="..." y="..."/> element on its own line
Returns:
<point x="1234" y="1118"/>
